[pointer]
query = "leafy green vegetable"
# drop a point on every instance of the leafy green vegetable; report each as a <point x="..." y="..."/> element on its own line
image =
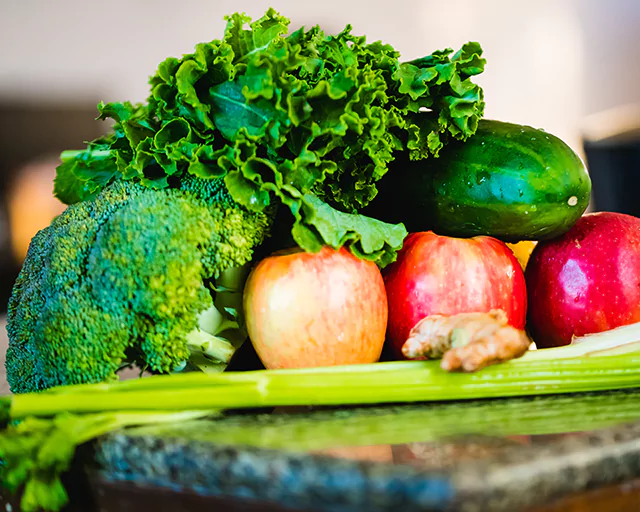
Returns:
<point x="83" y="175"/>
<point x="36" y="451"/>
<point x="368" y="238"/>
<point x="284" y="116"/>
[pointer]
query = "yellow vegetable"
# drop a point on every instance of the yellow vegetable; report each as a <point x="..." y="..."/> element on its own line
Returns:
<point x="523" y="251"/>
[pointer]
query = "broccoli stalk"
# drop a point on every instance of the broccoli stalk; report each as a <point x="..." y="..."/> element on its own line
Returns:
<point x="209" y="352"/>
<point x="221" y="330"/>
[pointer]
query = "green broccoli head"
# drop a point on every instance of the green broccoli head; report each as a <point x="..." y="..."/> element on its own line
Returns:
<point x="120" y="279"/>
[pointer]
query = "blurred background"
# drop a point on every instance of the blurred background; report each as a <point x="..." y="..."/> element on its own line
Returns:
<point x="568" y="66"/>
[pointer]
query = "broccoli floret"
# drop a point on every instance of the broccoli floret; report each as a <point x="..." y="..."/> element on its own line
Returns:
<point x="50" y="301"/>
<point x="122" y="278"/>
<point x="210" y="190"/>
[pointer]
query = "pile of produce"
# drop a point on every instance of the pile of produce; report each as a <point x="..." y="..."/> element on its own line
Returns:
<point x="317" y="200"/>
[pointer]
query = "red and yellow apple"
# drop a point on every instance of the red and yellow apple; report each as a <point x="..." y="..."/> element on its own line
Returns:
<point x="323" y="309"/>
<point x="441" y="275"/>
<point x="586" y="281"/>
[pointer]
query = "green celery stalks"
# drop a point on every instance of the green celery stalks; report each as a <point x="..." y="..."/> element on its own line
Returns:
<point x="415" y="381"/>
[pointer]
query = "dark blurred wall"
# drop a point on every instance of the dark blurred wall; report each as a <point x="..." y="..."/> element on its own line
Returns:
<point x="615" y="174"/>
<point x="31" y="133"/>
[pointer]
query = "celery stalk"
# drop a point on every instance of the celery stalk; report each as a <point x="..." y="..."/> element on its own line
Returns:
<point x="415" y="381"/>
<point x="74" y="154"/>
<point x="49" y="418"/>
<point x="621" y="340"/>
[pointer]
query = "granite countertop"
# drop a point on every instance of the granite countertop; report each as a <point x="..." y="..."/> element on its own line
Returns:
<point x="4" y="387"/>
<point x="505" y="454"/>
<point x="501" y="454"/>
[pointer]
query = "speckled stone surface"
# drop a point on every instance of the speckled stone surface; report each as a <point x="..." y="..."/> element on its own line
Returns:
<point x="461" y="456"/>
<point x="4" y="341"/>
<point x="538" y="473"/>
<point x="297" y="480"/>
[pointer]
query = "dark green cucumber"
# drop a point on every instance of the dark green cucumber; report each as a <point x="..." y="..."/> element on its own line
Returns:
<point x="509" y="181"/>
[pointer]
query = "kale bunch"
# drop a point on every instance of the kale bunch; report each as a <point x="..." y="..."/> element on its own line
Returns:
<point x="281" y="117"/>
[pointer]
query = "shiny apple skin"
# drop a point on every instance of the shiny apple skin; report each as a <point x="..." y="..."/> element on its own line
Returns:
<point x="445" y="275"/>
<point x="323" y="309"/>
<point x="586" y="281"/>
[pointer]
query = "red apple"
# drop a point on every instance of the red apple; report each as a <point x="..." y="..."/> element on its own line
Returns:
<point x="444" y="275"/>
<point x="586" y="281"/>
<point x="323" y="309"/>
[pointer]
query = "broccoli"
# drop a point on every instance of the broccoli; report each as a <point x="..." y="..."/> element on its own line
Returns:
<point x="130" y="277"/>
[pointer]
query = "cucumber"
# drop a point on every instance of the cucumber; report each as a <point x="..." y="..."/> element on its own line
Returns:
<point x="509" y="181"/>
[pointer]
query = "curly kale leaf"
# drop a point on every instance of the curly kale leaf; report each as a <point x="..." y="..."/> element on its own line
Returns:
<point x="442" y="84"/>
<point x="282" y="115"/>
<point x="369" y="239"/>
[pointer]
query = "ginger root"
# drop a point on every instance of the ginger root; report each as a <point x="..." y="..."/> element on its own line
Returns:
<point x="467" y="341"/>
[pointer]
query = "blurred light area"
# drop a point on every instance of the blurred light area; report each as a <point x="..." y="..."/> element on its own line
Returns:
<point x="550" y="62"/>
<point x="615" y="125"/>
<point x="31" y="204"/>
<point x="535" y="57"/>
